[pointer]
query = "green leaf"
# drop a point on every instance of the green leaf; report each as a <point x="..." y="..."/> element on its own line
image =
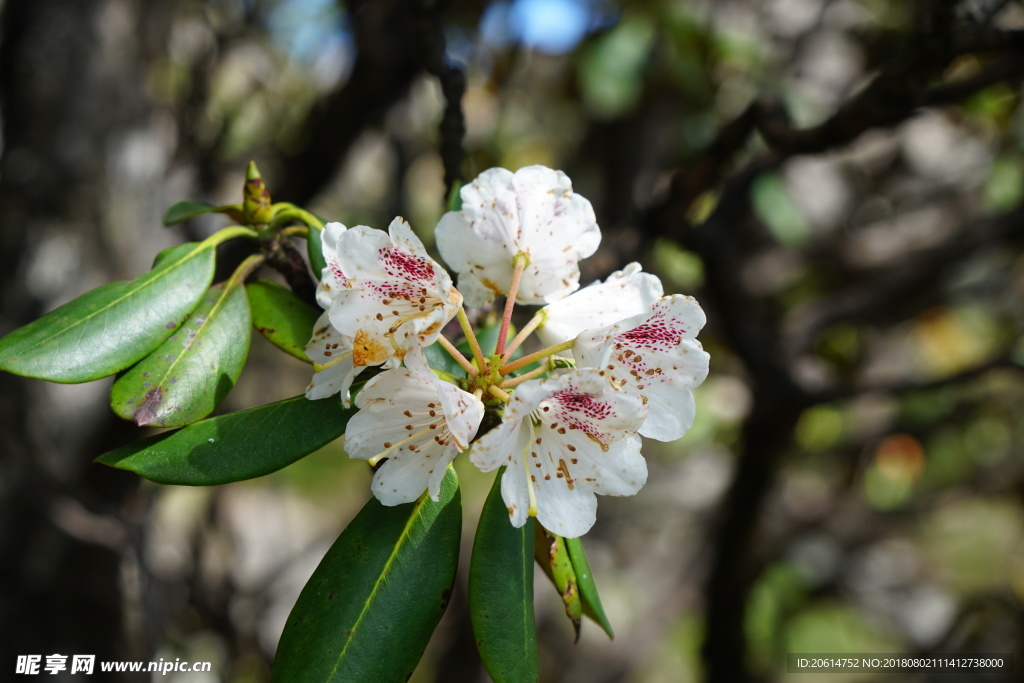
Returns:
<point x="241" y="445"/>
<point x="188" y="375"/>
<point x="315" y="250"/>
<point x="588" y="589"/>
<point x="280" y="316"/>
<point x="190" y="208"/>
<point x="108" y="329"/>
<point x="368" y="611"/>
<point x="439" y="359"/>
<point x="501" y="593"/>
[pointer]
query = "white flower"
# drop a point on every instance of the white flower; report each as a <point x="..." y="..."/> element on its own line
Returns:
<point x="397" y="299"/>
<point x="532" y="211"/>
<point x="657" y="354"/>
<point x="563" y="440"/>
<point x="625" y="293"/>
<point x="332" y="278"/>
<point x="331" y="353"/>
<point x="416" y="421"/>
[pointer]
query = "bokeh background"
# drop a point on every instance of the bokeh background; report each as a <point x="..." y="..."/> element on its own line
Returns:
<point x="839" y="182"/>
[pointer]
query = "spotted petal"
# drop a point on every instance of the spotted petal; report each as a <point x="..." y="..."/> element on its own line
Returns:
<point x="623" y="294"/>
<point x="332" y="279"/>
<point x="532" y="211"/>
<point x="657" y="354"/>
<point x="418" y="423"/>
<point x="563" y="440"/>
<point x="331" y="352"/>
<point x="398" y="298"/>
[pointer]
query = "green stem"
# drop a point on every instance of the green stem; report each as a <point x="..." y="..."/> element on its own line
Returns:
<point x="284" y="211"/>
<point x="229" y="233"/>
<point x="543" y="353"/>
<point x="245" y="269"/>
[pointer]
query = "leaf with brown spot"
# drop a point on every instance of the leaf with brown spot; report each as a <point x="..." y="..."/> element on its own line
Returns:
<point x="193" y="370"/>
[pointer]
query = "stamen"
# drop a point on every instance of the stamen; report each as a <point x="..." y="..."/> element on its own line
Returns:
<point x="317" y="367"/>
<point x="375" y="459"/>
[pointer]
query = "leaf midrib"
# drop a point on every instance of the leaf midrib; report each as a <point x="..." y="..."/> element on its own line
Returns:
<point x="159" y="274"/>
<point x="378" y="583"/>
<point x="204" y="327"/>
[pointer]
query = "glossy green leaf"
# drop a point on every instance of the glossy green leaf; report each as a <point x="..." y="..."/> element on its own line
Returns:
<point x="114" y="326"/>
<point x="188" y="375"/>
<point x="315" y="251"/>
<point x="369" y="609"/>
<point x="241" y="445"/>
<point x="280" y="316"/>
<point x="553" y="557"/>
<point x="588" y="589"/>
<point x="501" y="593"/>
<point x="190" y="208"/>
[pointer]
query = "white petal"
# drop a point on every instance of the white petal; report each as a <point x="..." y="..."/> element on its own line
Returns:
<point x="498" y="447"/>
<point x="672" y="410"/>
<point x="332" y="277"/>
<point x="656" y="353"/>
<point x="405" y="239"/>
<point x="404" y="480"/>
<point x="623" y="294"/>
<point x="462" y="412"/>
<point x="326" y="346"/>
<point x="566" y="513"/>
<point x="401" y="418"/>
<point x="515" y="494"/>
<point x="532" y="211"/>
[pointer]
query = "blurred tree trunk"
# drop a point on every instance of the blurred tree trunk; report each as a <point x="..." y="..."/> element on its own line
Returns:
<point x="76" y="123"/>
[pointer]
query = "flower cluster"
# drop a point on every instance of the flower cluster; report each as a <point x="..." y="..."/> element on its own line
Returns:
<point x="569" y="424"/>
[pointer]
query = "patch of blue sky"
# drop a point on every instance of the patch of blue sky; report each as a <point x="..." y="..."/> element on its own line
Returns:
<point x="549" y="26"/>
<point x="306" y="30"/>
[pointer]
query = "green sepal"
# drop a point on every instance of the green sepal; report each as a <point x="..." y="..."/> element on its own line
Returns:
<point x="110" y="328"/>
<point x="237" y="446"/>
<point x="187" y="376"/>
<point x="588" y="589"/>
<point x="553" y="558"/>
<point x="501" y="593"/>
<point x="187" y="209"/>
<point x="369" y="609"/>
<point x="285" y="320"/>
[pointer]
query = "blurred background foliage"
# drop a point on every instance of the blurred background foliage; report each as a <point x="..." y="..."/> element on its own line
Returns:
<point x="839" y="182"/>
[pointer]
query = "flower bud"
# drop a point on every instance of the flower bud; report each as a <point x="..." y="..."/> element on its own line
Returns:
<point x="256" y="203"/>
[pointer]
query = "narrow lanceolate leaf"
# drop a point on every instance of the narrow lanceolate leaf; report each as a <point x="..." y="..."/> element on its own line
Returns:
<point x="368" y="611"/>
<point x="280" y="316"/>
<point x="501" y="593"/>
<point x="112" y="327"/>
<point x="554" y="559"/>
<point x="588" y="589"/>
<point x="188" y="375"/>
<point x="315" y="251"/>
<point x="190" y="208"/>
<point x="242" y="445"/>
